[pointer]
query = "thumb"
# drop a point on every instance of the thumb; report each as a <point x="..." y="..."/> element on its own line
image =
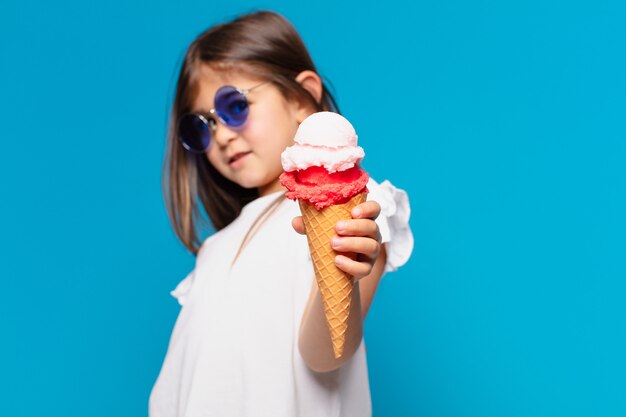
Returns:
<point x="298" y="225"/>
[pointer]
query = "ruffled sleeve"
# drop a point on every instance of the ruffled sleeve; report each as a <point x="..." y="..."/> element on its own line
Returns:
<point x="393" y="222"/>
<point x="182" y="289"/>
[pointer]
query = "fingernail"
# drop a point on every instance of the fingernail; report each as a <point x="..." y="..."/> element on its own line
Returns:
<point x="335" y="242"/>
<point x="341" y="226"/>
<point x="357" y="212"/>
<point x="339" y="260"/>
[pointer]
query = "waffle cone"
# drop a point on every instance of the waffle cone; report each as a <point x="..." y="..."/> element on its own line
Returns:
<point x="335" y="285"/>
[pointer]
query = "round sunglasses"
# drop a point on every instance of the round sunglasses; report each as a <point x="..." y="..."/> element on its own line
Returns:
<point x="231" y="108"/>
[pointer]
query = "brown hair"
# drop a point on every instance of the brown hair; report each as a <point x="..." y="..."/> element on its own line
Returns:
<point x="263" y="44"/>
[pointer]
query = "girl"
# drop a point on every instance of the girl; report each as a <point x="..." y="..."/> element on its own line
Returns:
<point x="251" y="337"/>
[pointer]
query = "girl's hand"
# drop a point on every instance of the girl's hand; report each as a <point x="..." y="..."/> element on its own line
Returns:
<point x="359" y="235"/>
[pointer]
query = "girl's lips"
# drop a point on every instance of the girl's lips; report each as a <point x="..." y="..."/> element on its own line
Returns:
<point x="238" y="156"/>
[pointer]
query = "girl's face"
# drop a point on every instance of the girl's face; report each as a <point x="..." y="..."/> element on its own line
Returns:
<point x="249" y="156"/>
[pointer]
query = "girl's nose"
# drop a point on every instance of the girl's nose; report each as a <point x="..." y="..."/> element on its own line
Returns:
<point x="222" y="134"/>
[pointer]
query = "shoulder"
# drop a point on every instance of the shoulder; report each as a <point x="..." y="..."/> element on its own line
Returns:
<point x="208" y="242"/>
<point x="393" y="221"/>
<point x="393" y="201"/>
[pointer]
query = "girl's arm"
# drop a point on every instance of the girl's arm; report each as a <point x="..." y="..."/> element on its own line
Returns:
<point x="359" y="235"/>
<point x="369" y="283"/>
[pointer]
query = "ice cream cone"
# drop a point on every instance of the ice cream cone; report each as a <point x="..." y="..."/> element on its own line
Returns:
<point x="335" y="285"/>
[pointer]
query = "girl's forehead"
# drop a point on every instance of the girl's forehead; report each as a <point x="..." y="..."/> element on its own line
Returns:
<point x="214" y="77"/>
<point x="208" y="74"/>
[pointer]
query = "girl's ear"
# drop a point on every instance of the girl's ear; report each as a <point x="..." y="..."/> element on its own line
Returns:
<point x="311" y="82"/>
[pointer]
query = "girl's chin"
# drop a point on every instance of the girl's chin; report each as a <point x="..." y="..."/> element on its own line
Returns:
<point x="248" y="182"/>
<point x="271" y="187"/>
<point x="254" y="181"/>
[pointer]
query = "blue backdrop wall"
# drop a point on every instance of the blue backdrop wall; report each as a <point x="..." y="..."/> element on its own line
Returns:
<point x="503" y="120"/>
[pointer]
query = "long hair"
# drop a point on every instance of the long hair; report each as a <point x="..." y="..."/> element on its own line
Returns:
<point x="263" y="44"/>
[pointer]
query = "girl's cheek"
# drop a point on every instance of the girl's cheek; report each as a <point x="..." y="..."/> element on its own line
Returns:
<point x="213" y="159"/>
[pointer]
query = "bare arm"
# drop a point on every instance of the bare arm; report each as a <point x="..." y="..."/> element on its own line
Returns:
<point x="362" y="237"/>
<point x="369" y="284"/>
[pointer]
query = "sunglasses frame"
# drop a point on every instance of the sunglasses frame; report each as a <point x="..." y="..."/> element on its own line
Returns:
<point x="213" y="115"/>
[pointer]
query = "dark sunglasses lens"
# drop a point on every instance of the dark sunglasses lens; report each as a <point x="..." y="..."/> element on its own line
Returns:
<point x="194" y="132"/>
<point x="231" y="106"/>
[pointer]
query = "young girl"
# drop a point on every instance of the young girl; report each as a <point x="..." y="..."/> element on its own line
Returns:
<point x="251" y="337"/>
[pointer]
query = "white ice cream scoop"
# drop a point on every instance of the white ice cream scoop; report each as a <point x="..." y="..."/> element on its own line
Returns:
<point x="326" y="129"/>
<point x="323" y="139"/>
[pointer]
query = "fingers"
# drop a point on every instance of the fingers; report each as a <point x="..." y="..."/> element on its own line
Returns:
<point x="357" y="269"/>
<point x="359" y="236"/>
<point x="366" y="250"/>
<point x="298" y="224"/>
<point x="367" y="210"/>
<point x="362" y="222"/>
<point x="359" y="245"/>
<point x="359" y="227"/>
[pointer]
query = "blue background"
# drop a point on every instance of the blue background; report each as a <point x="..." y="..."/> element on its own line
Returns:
<point x="503" y="120"/>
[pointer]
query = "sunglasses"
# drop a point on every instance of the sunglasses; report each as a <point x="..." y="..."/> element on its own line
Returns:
<point x="231" y="108"/>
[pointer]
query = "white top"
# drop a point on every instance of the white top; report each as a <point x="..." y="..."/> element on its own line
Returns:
<point x="234" y="347"/>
